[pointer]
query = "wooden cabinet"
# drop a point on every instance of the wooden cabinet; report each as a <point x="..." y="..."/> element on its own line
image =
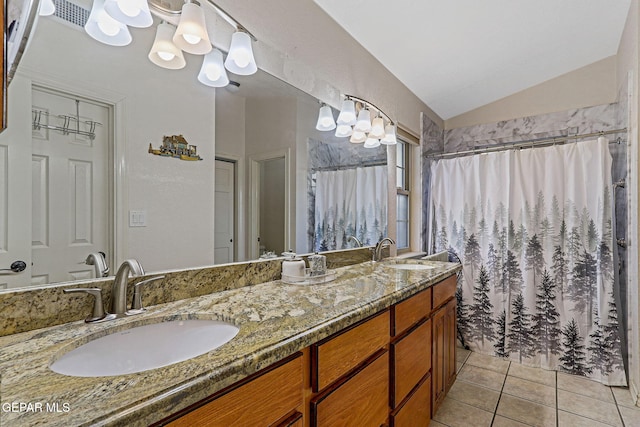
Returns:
<point x="359" y="399"/>
<point x="416" y="411"/>
<point x="337" y="355"/>
<point x="407" y="313"/>
<point x="411" y="361"/>
<point x="259" y="400"/>
<point x="443" y="348"/>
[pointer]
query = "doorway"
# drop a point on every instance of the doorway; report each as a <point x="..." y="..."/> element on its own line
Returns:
<point x="224" y="211"/>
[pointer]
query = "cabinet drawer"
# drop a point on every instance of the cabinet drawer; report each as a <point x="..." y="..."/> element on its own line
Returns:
<point x="362" y="399"/>
<point x="411" y="361"/>
<point x="408" y="312"/>
<point x="417" y="411"/>
<point x="260" y="401"/>
<point x="443" y="291"/>
<point x="337" y="355"/>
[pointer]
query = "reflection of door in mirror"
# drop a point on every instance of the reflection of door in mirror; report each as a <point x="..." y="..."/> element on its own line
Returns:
<point x="67" y="194"/>
<point x="272" y="205"/>
<point x="224" y="212"/>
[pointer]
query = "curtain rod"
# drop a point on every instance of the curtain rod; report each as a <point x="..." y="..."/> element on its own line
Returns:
<point x="347" y="167"/>
<point x="530" y="143"/>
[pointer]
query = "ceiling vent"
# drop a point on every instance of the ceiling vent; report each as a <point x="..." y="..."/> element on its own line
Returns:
<point x="71" y="12"/>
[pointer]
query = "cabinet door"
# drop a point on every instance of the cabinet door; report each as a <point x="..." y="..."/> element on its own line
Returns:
<point x="416" y="411"/>
<point x="411" y="356"/>
<point x="438" y="377"/>
<point x="361" y="399"/>
<point x="450" y="343"/>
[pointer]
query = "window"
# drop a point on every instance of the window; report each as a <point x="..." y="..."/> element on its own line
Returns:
<point x="403" y="194"/>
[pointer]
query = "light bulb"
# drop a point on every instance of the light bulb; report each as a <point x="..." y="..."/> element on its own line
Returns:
<point x="129" y="8"/>
<point x="108" y="25"/>
<point x="213" y="72"/>
<point x="166" y="56"/>
<point x="242" y="58"/>
<point x="191" y="39"/>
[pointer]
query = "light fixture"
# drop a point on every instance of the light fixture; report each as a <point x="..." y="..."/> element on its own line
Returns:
<point x="212" y="72"/>
<point x="358" y="137"/>
<point x="325" y="118"/>
<point x="347" y="114"/>
<point x="191" y="34"/>
<point x="371" y="143"/>
<point x="134" y="13"/>
<point x="364" y="121"/>
<point x="240" y="59"/>
<point x="342" y="131"/>
<point x="102" y="27"/>
<point x="389" y="135"/>
<point x="163" y="52"/>
<point x="377" y="128"/>
<point x="381" y="131"/>
<point x="47" y="8"/>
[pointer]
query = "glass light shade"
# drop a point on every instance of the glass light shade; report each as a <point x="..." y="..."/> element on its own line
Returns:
<point x="191" y="34"/>
<point x="347" y="114"/>
<point x="163" y="52"/>
<point x="377" y="128"/>
<point x="371" y="143"/>
<point x="212" y="72"/>
<point x="240" y="59"/>
<point x="342" y="131"/>
<point x="47" y="8"/>
<point x="389" y="135"/>
<point x="104" y="28"/>
<point x="364" y="121"/>
<point x="325" y="118"/>
<point x="134" y="13"/>
<point x="358" y="137"/>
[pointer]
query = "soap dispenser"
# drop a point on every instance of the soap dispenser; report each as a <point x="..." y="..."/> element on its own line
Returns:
<point x="318" y="264"/>
<point x="292" y="266"/>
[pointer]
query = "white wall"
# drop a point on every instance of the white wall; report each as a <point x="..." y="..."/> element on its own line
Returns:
<point x="150" y="102"/>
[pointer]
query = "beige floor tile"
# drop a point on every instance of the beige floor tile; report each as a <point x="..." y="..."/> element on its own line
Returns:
<point x="499" y="421"/>
<point x="526" y="412"/>
<point x="434" y="423"/>
<point x="457" y="414"/>
<point x="530" y="390"/>
<point x="474" y="395"/>
<point x="584" y="386"/>
<point x="537" y="375"/>
<point x="588" y="407"/>
<point x="462" y="354"/>
<point x="631" y="416"/>
<point x="488" y="362"/>
<point x="482" y="377"/>
<point x="567" y="419"/>
<point x="623" y="397"/>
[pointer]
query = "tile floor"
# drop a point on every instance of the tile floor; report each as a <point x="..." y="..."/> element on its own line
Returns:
<point x="494" y="392"/>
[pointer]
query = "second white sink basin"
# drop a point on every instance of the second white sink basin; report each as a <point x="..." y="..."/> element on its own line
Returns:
<point x="410" y="266"/>
<point x="145" y="347"/>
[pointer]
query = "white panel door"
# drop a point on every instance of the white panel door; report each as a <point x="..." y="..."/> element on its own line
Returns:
<point x="70" y="189"/>
<point x="15" y="186"/>
<point x="224" y="212"/>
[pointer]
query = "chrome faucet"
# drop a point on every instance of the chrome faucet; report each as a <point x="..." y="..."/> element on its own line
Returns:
<point x="355" y="240"/>
<point x="377" y="252"/>
<point x="119" y="290"/>
<point x="99" y="262"/>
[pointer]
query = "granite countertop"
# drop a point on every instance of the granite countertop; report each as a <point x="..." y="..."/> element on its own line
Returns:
<point x="275" y="320"/>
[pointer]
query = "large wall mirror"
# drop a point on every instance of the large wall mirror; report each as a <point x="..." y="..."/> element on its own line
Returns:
<point x="80" y="177"/>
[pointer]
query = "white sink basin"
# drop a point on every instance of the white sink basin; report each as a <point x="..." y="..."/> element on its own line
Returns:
<point x="410" y="266"/>
<point x="145" y="347"/>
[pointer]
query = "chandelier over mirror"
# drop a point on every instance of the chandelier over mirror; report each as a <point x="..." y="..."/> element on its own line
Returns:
<point x="360" y="120"/>
<point x="109" y="22"/>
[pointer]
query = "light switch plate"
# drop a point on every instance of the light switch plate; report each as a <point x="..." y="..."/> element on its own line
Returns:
<point x="137" y="218"/>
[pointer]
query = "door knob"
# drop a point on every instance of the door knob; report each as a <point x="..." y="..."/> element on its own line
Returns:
<point x="16" y="267"/>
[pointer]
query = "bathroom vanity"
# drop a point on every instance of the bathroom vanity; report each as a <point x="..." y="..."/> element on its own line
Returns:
<point x="376" y="345"/>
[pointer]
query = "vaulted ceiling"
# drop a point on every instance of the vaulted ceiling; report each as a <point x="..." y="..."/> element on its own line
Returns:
<point x="459" y="55"/>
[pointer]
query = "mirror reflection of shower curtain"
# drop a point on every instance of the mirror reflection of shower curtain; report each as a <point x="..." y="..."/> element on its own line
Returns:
<point x="350" y="202"/>
<point x="534" y="231"/>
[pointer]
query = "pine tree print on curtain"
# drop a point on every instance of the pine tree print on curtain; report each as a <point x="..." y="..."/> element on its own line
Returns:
<point x="534" y="231"/>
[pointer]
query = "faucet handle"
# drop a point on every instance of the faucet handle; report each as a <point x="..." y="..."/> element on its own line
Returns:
<point x="136" y="304"/>
<point x="98" y="309"/>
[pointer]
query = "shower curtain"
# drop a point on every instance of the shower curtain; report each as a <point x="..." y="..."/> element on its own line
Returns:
<point x="533" y="229"/>
<point x="350" y="202"/>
